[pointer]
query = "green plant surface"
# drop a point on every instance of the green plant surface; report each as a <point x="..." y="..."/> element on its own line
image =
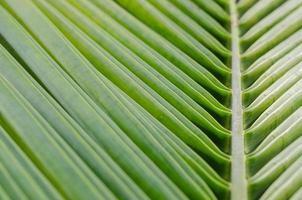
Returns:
<point x="271" y="65"/>
<point x="150" y="99"/>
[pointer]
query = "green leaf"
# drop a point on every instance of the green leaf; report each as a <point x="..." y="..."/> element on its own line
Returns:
<point x="150" y="99"/>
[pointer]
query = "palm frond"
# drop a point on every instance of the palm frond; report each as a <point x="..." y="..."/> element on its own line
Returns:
<point x="150" y="99"/>
<point x="272" y="59"/>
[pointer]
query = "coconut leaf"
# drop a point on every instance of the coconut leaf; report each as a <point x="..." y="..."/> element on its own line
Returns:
<point x="150" y="99"/>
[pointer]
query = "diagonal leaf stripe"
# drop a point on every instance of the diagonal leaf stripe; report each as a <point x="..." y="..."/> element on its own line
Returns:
<point x="271" y="63"/>
<point x="150" y="99"/>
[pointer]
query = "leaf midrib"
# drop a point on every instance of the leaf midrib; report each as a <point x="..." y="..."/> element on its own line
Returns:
<point x="238" y="181"/>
